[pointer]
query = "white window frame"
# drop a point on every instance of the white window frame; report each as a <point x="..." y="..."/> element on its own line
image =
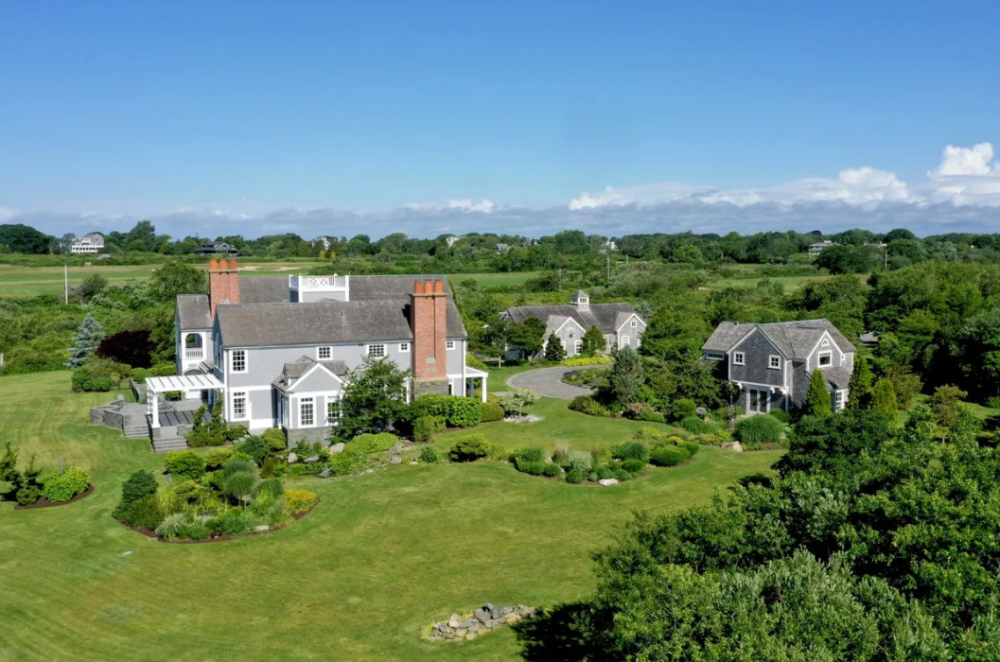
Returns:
<point x="245" y="395"/>
<point x="739" y="358"/>
<point x="634" y="324"/>
<point x="819" y="359"/>
<point x="404" y="347"/>
<point x="311" y="401"/>
<point x="715" y="356"/>
<point x="839" y="399"/>
<point x="232" y="361"/>
<point x="843" y="359"/>
<point x="578" y="348"/>
<point x="368" y="350"/>
<point x="772" y="360"/>
<point x="626" y="341"/>
<point x="333" y="420"/>
<point x="449" y="344"/>
<point x="320" y="351"/>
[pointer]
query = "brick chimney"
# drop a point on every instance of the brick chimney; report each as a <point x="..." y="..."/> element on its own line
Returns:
<point x="223" y="283"/>
<point x="429" y="319"/>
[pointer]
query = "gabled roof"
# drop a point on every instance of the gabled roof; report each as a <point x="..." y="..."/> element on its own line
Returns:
<point x="193" y="311"/>
<point x="264" y="289"/>
<point x="794" y="339"/>
<point x="837" y="377"/>
<point x="602" y="315"/>
<point x="303" y="365"/>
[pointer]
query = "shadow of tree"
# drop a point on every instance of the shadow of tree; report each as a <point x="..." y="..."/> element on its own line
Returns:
<point x="555" y="635"/>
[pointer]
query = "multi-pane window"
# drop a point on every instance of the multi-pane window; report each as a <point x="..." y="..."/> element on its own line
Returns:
<point x="825" y="359"/>
<point x="307" y="412"/>
<point x="737" y="358"/>
<point x="376" y="350"/>
<point x="838" y="400"/>
<point x="774" y="362"/>
<point x="578" y="347"/>
<point x="634" y="324"/>
<point x="332" y="411"/>
<point x="404" y="346"/>
<point x="239" y="405"/>
<point x="626" y="341"/>
<point x="239" y="360"/>
<point x="450" y="344"/>
<point x="324" y="353"/>
<point x="714" y="356"/>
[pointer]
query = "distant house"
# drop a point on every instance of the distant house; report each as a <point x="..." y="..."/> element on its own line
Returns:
<point x="218" y="248"/>
<point x="620" y="324"/>
<point x="89" y="244"/>
<point x="321" y="241"/>
<point x="501" y="248"/>
<point x="451" y="240"/>
<point x="819" y="247"/>
<point x="610" y="246"/>
<point x="773" y="363"/>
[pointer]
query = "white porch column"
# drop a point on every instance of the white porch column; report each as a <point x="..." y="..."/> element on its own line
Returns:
<point x="484" y="389"/>
<point x="155" y="422"/>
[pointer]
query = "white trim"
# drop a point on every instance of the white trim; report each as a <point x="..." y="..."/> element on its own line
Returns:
<point x="567" y="321"/>
<point x="770" y="362"/>
<point x="826" y="334"/>
<point x="577" y="346"/>
<point x="291" y="389"/>
<point x="449" y="344"/>
<point x="771" y="386"/>
<point x="246" y="405"/>
<point x="404" y="347"/>
<point x="819" y="357"/>
<point x="299" y="401"/>
<point x="767" y="398"/>
<point x="626" y="341"/>
<point x="255" y="388"/>
<point x="258" y="423"/>
<point x="742" y="360"/>
<point x="712" y="355"/>
<point x="319" y="353"/>
<point x="632" y="317"/>
<point x="766" y="337"/>
<point x="246" y="361"/>
<point x="842" y="392"/>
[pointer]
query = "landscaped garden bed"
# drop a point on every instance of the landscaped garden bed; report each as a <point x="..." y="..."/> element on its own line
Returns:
<point x="45" y="503"/>
<point x="32" y="487"/>
<point x="478" y="622"/>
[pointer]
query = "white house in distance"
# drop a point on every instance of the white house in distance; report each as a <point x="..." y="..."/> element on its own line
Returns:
<point x="88" y="244"/>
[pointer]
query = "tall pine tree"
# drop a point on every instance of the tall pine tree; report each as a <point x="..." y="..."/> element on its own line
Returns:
<point x="859" y="392"/>
<point x="818" y="401"/>
<point x="884" y="398"/>
<point x="626" y="376"/>
<point x="554" y="350"/>
<point x="88" y="337"/>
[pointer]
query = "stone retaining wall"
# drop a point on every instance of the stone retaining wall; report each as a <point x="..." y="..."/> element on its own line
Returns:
<point x="481" y="621"/>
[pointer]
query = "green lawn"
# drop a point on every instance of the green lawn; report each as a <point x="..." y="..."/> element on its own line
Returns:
<point x="491" y="280"/>
<point x="380" y="557"/>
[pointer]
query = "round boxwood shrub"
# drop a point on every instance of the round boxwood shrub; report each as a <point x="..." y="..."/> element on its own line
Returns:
<point x="691" y="447"/>
<point x="575" y="476"/>
<point x="216" y="457"/>
<point x="430" y="455"/>
<point x="366" y="444"/>
<point x="469" y="449"/>
<point x="60" y="489"/>
<point x="184" y="464"/>
<point x="492" y="412"/>
<point x="423" y="428"/>
<point x="759" y="430"/>
<point x="275" y="439"/>
<point x="552" y="470"/>
<point x="684" y="408"/>
<point x="634" y="466"/>
<point x="669" y="456"/>
<point x="464" y="412"/>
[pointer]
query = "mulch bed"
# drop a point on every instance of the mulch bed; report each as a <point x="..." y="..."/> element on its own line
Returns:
<point x="45" y="503"/>
<point x="223" y="538"/>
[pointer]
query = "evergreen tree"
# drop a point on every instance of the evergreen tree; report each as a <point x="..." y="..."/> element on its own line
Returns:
<point x="818" y="401"/>
<point x="593" y="342"/>
<point x="884" y="398"/>
<point x="626" y="376"/>
<point x="645" y="311"/>
<point x="88" y="338"/>
<point x="554" y="350"/>
<point x="860" y="388"/>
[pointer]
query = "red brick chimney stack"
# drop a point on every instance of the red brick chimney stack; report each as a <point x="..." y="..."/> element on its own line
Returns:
<point x="223" y="283"/>
<point x="429" y="318"/>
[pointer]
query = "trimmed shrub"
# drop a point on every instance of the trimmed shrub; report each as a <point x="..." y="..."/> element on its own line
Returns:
<point x="604" y="472"/>
<point x="138" y="485"/>
<point x="366" y="444"/>
<point x="781" y="415"/>
<point x="298" y="501"/>
<point x="275" y="439"/>
<point x="586" y="404"/>
<point x="552" y="470"/>
<point x="669" y="456"/>
<point x="471" y="448"/>
<point x="683" y="408"/>
<point x="632" y="450"/>
<point x="575" y="476"/>
<point x="423" y="428"/>
<point x="621" y="475"/>
<point x="60" y="489"/>
<point x="758" y="430"/>
<point x="431" y="405"/>
<point x="216" y="457"/>
<point x="145" y="513"/>
<point x="184" y="464"/>
<point x="586" y="360"/>
<point x="256" y="448"/>
<point x="534" y="468"/>
<point x="691" y="447"/>
<point x="695" y="425"/>
<point x="464" y="412"/>
<point x="172" y="526"/>
<point x="429" y="455"/>
<point x="634" y="467"/>
<point x="492" y="412"/>
<point x="474" y="361"/>
<point x="652" y="417"/>
<point x="236" y="432"/>
<point x="28" y="495"/>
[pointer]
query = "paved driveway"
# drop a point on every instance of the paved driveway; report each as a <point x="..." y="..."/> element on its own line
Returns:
<point x="548" y="382"/>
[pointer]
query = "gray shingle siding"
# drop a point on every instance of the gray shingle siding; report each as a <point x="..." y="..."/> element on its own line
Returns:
<point x="756" y="350"/>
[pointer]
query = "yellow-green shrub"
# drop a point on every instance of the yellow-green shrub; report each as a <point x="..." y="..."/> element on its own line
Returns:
<point x="298" y="501"/>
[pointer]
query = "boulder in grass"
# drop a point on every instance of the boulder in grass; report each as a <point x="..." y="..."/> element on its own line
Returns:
<point x="337" y="448"/>
<point x="293" y="457"/>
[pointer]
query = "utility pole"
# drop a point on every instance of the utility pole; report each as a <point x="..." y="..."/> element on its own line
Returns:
<point x="609" y="267"/>
<point x="66" y="283"/>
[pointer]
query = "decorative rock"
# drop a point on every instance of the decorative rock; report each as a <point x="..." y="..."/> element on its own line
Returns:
<point x="337" y="448"/>
<point x="325" y="473"/>
<point x="511" y="618"/>
<point x="395" y="459"/>
<point x="482" y="614"/>
<point x="443" y="629"/>
<point x="608" y="482"/>
<point x="293" y="457"/>
<point x="736" y="447"/>
<point x="454" y="621"/>
<point x="469" y="623"/>
<point x="370" y="471"/>
<point x="472" y="635"/>
<point x="397" y="447"/>
<point x="414" y="463"/>
<point x="262" y="528"/>
<point x="312" y="459"/>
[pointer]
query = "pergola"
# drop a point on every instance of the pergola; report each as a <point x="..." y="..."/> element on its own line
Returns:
<point x="157" y="385"/>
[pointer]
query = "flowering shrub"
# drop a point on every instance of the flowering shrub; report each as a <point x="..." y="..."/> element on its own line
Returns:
<point x="298" y="501"/>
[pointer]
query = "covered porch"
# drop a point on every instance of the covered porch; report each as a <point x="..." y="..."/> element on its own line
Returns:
<point x="469" y="381"/>
<point x="156" y="386"/>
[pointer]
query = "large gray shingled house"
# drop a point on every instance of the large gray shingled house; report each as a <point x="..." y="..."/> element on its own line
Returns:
<point x="277" y="351"/>
<point x="773" y="363"/>
<point x="620" y="324"/>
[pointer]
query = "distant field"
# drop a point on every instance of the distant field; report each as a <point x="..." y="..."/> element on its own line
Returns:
<point x="492" y="280"/>
<point x="791" y="283"/>
<point x="32" y="281"/>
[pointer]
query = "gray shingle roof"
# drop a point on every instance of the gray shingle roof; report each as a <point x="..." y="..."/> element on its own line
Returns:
<point x="264" y="289"/>
<point x="794" y="339"/>
<point x="295" y="370"/>
<point x="193" y="311"/>
<point x="602" y="315"/>
<point x="838" y="377"/>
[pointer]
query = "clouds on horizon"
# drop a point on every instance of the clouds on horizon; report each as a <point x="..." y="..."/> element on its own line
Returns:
<point x="961" y="194"/>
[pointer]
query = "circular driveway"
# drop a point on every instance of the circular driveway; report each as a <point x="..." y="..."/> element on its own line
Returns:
<point x="548" y="382"/>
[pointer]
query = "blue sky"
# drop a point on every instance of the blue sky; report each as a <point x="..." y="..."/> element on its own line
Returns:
<point x="448" y="116"/>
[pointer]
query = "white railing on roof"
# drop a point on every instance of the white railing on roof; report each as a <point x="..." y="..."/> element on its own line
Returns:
<point x="320" y="283"/>
<point x="193" y="353"/>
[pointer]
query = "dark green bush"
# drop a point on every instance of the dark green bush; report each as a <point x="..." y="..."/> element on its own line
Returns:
<point x="528" y="454"/>
<point x="683" y="408"/>
<point x="691" y="447"/>
<point x="759" y="430"/>
<point x="471" y="448"/>
<point x="632" y="450"/>
<point x="586" y="404"/>
<point x="695" y="425"/>
<point x="492" y="412"/>
<point x="145" y="513"/>
<point x="575" y="476"/>
<point x="423" y="428"/>
<point x="275" y="439"/>
<point x="534" y="468"/>
<point x="272" y="466"/>
<point x="138" y="485"/>
<point x="621" y="475"/>
<point x="196" y="530"/>
<point x="464" y="412"/>
<point x="604" y="472"/>
<point x="634" y="466"/>
<point x="430" y="455"/>
<point x="97" y="384"/>
<point x="255" y="447"/>
<point x="652" y="417"/>
<point x="669" y="456"/>
<point x="28" y="495"/>
<point x="184" y="464"/>
<point x="552" y="470"/>
<point x="236" y="522"/>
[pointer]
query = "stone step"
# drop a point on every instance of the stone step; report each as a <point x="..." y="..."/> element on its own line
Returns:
<point x="160" y="446"/>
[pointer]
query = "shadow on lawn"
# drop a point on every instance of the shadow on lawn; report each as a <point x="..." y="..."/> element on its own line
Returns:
<point x="554" y="636"/>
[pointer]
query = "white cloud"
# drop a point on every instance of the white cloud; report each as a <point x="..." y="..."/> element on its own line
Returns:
<point x="7" y="214"/>
<point x="975" y="160"/>
<point x="485" y="206"/>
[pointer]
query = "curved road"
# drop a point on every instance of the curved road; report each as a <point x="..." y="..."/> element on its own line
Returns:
<point x="548" y="382"/>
